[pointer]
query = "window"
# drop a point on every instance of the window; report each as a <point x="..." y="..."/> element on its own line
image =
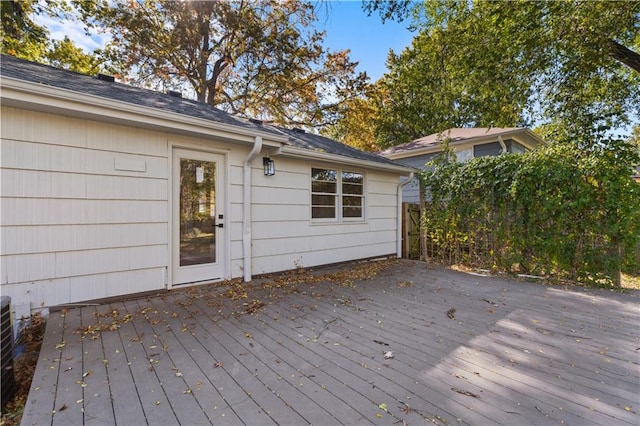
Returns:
<point x="487" y="149"/>
<point x="352" y="195"/>
<point x="337" y="195"/>
<point x="324" y="193"/>
<point x="515" y="147"/>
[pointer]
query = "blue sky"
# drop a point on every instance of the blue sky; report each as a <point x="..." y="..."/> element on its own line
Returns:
<point x="349" y="27"/>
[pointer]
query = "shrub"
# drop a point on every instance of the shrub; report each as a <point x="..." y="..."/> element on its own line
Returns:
<point x="560" y="211"/>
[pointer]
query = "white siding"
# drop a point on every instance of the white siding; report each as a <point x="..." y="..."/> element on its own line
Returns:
<point x="285" y="237"/>
<point x="84" y="209"/>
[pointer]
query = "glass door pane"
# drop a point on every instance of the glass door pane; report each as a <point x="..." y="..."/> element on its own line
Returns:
<point x="197" y="212"/>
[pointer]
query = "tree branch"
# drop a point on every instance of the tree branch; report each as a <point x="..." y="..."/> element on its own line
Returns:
<point x="624" y="55"/>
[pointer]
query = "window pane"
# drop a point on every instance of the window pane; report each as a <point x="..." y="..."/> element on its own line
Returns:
<point x="352" y="201"/>
<point x="351" y="212"/>
<point x="324" y="174"/>
<point x="351" y="188"/>
<point x="323" y="212"/>
<point x="323" y="200"/>
<point x="327" y="187"/>
<point x="197" y="212"/>
<point x="351" y="177"/>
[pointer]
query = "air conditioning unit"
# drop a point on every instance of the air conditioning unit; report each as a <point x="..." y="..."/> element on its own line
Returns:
<point x="9" y="385"/>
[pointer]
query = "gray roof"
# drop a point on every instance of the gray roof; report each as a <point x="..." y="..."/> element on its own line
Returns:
<point x="64" y="79"/>
<point x="458" y="136"/>
<point x="43" y="74"/>
<point x="301" y="139"/>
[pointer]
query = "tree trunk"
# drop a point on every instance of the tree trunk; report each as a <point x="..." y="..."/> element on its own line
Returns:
<point x="624" y="55"/>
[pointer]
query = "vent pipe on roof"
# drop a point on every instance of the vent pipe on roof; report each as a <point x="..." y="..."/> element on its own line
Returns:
<point x="299" y="130"/>
<point x="174" y="93"/>
<point x="105" y="77"/>
<point x="256" y="121"/>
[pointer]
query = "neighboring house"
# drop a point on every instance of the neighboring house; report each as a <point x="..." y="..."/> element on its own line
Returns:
<point x="111" y="190"/>
<point x="467" y="143"/>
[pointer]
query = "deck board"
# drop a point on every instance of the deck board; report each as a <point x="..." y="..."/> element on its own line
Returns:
<point x="514" y="353"/>
<point x="71" y="384"/>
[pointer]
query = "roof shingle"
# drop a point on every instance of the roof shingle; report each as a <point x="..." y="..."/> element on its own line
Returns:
<point x="47" y="75"/>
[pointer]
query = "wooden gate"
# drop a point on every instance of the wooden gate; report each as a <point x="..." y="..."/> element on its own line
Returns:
<point x="411" y="231"/>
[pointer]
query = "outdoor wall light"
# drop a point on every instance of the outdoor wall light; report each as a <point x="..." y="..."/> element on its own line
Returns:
<point x="269" y="166"/>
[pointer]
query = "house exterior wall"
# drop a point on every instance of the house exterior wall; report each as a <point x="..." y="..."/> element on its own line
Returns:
<point x="85" y="210"/>
<point x="411" y="191"/>
<point x="285" y="236"/>
<point x="77" y="222"/>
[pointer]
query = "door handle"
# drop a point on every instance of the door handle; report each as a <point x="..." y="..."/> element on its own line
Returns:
<point x="220" y="225"/>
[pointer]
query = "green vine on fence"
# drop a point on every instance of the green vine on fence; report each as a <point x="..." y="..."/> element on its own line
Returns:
<point x="561" y="211"/>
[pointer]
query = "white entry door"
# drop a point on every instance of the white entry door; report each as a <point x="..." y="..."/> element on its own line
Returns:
<point x="198" y="217"/>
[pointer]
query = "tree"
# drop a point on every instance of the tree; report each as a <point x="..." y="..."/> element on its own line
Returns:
<point x="65" y="54"/>
<point x="21" y="36"/>
<point x="570" y="65"/>
<point x="354" y="127"/>
<point x="24" y="38"/>
<point x="258" y="58"/>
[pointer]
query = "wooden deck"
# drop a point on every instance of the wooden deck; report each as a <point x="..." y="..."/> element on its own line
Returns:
<point x="511" y="353"/>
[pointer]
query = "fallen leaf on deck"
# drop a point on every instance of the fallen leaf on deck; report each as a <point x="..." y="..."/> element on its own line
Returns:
<point x="383" y="406"/>
<point x="464" y="392"/>
<point x="388" y="355"/>
<point x="451" y="312"/>
<point x="405" y="409"/>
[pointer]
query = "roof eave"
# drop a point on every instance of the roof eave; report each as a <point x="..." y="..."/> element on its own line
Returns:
<point x="45" y="98"/>
<point x="292" y="151"/>
<point x="412" y="152"/>
<point x="526" y="133"/>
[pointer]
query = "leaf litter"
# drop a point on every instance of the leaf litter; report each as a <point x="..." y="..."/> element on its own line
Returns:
<point x="227" y="298"/>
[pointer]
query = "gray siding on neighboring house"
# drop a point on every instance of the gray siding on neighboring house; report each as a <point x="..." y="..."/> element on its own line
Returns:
<point x="411" y="191"/>
<point x="494" y="148"/>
